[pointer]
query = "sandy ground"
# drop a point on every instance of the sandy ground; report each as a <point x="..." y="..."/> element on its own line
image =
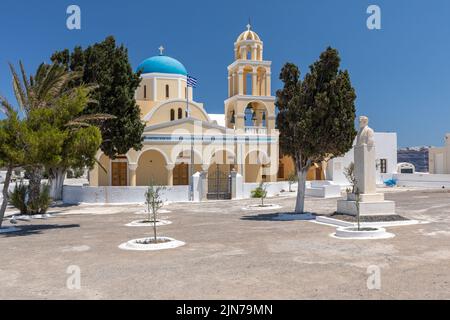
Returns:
<point x="230" y="253"/>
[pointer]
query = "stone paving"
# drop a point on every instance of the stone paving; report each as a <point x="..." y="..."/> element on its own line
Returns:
<point x="230" y="253"/>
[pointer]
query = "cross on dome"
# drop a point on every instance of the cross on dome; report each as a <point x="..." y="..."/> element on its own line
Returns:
<point x="161" y="49"/>
<point x="249" y="26"/>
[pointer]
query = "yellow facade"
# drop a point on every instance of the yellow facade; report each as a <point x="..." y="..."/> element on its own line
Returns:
<point x="180" y="138"/>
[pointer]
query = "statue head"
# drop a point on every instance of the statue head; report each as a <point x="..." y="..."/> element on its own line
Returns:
<point x="363" y="121"/>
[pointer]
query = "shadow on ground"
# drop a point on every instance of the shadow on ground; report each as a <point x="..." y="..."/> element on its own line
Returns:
<point x="280" y="216"/>
<point x="37" y="229"/>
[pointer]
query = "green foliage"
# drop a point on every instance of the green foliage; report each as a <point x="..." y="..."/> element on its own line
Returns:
<point x="107" y="65"/>
<point x="14" y="136"/>
<point x="75" y="173"/>
<point x="316" y="117"/>
<point x="292" y="178"/>
<point x="154" y="202"/>
<point x="44" y="199"/>
<point x="17" y="198"/>
<point x="260" y="192"/>
<point x="349" y="173"/>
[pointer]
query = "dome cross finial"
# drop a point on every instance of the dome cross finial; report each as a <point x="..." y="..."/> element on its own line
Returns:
<point x="249" y="26"/>
<point x="161" y="49"/>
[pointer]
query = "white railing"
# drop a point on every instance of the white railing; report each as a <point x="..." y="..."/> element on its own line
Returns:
<point x="255" y="130"/>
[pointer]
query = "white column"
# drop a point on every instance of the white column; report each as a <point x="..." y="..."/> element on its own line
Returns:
<point x="179" y="89"/>
<point x="268" y="83"/>
<point x="254" y="83"/>
<point x="132" y="177"/>
<point x="155" y="91"/>
<point x="241" y="82"/>
<point x="170" y="168"/>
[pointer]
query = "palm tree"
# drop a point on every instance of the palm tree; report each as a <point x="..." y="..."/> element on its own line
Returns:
<point x="43" y="90"/>
<point x="40" y="91"/>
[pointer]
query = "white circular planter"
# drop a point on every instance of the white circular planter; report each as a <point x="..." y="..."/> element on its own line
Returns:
<point x="365" y="233"/>
<point x="141" y="223"/>
<point x="9" y="229"/>
<point x="30" y="217"/>
<point x="259" y="207"/>
<point x="135" y="245"/>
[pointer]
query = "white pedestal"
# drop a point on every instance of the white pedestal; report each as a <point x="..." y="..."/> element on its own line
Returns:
<point x="369" y="205"/>
<point x="323" y="189"/>
<point x="365" y="169"/>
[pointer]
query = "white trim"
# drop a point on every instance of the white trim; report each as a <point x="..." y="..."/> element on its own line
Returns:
<point x="155" y="89"/>
<point x="148" y="116"/>
<point x="250" y="98"/>
<point x="163" y="76"/>
<point x="179" y="88"/>
<point x="183" y="120"/>
<point x="250" y="63"/>
<point x="144" y="149"/>
<point x="210" y="157"/>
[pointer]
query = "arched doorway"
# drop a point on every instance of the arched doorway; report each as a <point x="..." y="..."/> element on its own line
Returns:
<point x="181" y="171"/>
<point x="151" y="169"/>
<point x="219" y="175"/>
<point x="255" y="163"/>
<point x="181" y="174"/>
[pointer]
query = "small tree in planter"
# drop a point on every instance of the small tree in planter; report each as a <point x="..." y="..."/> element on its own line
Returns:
<point x="349" y="173"/>
<point x="358" y="219"/>
<point x="260" y="192"/>
<point x="292" y="178"/>
<point x="154" y="202"/>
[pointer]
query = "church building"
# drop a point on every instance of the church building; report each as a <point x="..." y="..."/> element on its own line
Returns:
<point x="181" y="138"/>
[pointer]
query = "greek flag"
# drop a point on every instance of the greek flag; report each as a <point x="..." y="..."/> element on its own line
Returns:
<point x="191" y="81"/>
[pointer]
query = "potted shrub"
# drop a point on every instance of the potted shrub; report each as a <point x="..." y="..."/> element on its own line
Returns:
<point x="260" y="192"/>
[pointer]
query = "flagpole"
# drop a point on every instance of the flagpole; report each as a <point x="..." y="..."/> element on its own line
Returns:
<point x="188" y="113"/>
<point x="191" y="167"/>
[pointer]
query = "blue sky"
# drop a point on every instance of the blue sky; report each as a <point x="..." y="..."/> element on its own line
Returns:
<point x="401" y="73"/>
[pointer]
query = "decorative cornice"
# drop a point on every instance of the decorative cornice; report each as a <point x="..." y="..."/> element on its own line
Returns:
<point x="264" y="63"/>
<point x="156" y="75"/>
<point x="250" y="98"/>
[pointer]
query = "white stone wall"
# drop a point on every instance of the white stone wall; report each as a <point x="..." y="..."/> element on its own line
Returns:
<point x="421" y="180"/>
<point x="108" y="195"/>
<point x="273" y="188"/>
<point x="385" y="147"/>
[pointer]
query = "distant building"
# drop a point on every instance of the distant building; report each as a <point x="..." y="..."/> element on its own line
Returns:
<point x="418" y="156"/>
<point x="439" y="161"/>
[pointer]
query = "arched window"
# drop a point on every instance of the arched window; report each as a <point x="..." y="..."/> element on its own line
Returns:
<point x="172" y="114"/>
<point x="167" y="91"/>
<point x="180" y="113"/>
<point x="249" y="116"/>
<point x="145" y="92"/>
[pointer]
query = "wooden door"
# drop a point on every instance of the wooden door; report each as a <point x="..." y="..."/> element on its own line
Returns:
<point x="119" y="173"/>
<point x="181" y="175"/>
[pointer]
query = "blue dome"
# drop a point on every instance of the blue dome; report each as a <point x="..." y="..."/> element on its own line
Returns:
<point x="162" y="64"/>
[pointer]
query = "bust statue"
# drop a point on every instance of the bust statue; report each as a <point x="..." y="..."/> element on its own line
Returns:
<point x="365" y="133"/>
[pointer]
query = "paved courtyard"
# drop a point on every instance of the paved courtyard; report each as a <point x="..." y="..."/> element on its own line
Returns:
<point x="229" y="254"/>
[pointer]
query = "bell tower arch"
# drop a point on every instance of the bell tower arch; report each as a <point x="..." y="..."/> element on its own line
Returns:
<point x="249" y="85"/>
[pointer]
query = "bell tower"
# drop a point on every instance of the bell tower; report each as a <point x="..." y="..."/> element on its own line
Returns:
<point x="250" y="105"/>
